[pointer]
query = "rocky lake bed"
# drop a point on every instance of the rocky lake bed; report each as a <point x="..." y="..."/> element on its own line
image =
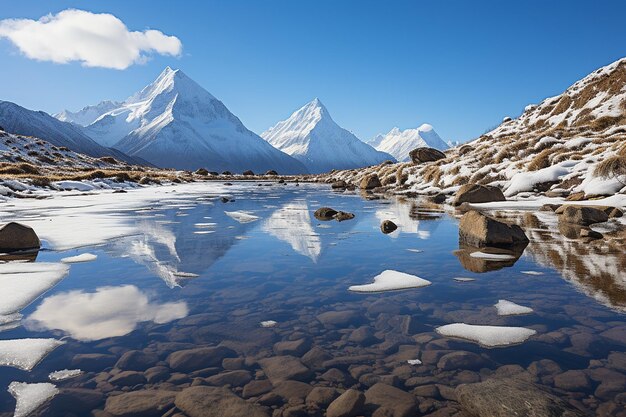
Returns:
<point x="141" y="304"/>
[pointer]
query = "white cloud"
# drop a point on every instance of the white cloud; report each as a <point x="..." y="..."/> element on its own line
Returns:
<point x="94" y="40"/>
<point x="108" y="312"/>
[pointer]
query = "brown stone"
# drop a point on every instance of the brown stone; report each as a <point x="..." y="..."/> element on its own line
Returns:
<point x="369" y="182"/>
<point x="476" y="229"/>
<point x="476" y="193"/>
<point x="420" y="155"/>
<point x="16" y="236"/>
<point x="215" y="402"/>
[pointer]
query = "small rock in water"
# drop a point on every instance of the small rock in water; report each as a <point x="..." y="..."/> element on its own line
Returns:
<point x="476" y="229"/>
<point x="16" y="236"/>
<point x="388" y="226"/>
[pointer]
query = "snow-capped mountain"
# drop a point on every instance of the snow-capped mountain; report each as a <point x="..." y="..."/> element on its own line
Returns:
<point x="21" y="121"/>
<point x="176" y="123"/>
<point x="400" y="142"/>
<point x="312" y="136"/>
<point x="87" y="115"/>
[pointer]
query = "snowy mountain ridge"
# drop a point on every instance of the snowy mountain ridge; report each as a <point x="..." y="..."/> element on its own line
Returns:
<point x="174" y="122"/>
<point x="88" y="114"/>
<point x="312" y="136"/>
<point x="399" y="143"/>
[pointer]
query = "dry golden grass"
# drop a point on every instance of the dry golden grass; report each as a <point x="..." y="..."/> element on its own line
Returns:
<point x="606" y="122"/>
<point x="564" y="103"/>
<point x="541" y="160"/>
<point x="613" y="167"/>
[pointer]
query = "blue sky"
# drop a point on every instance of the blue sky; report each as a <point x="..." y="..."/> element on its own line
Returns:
<point x="458" y="65"/>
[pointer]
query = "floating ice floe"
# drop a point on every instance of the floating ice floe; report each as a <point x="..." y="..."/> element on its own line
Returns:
<point x="464" y="279"/>
<point x="22" y="283"/>
<point x="489" y="336"/>
<point x="185" y="274"/>
<point x="202" y="225"/>
<point x="492" y="256"/>
<point x="64" y="374"/>
<point x="203" y="232"/>
<point x="83" y="257"/>
<point x="10" y="321"/>
<point x="26" y="353"/>
<point x="415" y="250"/>
<point x="268" y="323"/>
<point x="241" y="216"/>
<point x="414" y="362"/>
<point x="532" y="272"/>
<point x="509" y="308"/>
<point x="390" y="280"/>
<point x="30" y="396"/>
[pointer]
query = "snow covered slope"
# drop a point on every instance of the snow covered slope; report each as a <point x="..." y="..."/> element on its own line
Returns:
<point x="176" y="123"/>
<point x="21" y="121"/>
<point x="399" y="143"/>
<point x="87" y="115"/>
<point x="312" y="136"/>
<point x="555" y="146"/>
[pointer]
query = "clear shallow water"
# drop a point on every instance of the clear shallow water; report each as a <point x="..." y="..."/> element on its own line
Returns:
<point x="289" y="267"/>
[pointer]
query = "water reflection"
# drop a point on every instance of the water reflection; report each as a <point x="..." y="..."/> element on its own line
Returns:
<point x="292" y="224"/>
<point x="107" y="312"/>
<point x="476" y="264"/>
<point x="410" y="218"/>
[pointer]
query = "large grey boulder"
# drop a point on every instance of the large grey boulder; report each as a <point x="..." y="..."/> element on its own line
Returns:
<point x="511" y="397"/>
<point x="420" y="155"/>
<point x="476" y="193"/>
<point x="16" y="236"/>
<point x="476" y="229"/>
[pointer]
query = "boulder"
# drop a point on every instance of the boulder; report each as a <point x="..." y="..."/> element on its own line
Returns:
<point x="202" y="171"/>
<point x="281" y="368"/>
<point x="227" y="173"/>
<point x="325" y="213"/>
<point x="421" y="155"/>
<point x="511" y="397"/>
<point x="397" y="402"/>
<point x="476" y="193"/>
<point x="338" y="185"/>
<point x="248" y="173"/>
<point x="461" y="360"/>
<point x="201" y="401"/>
<point x="388" y="226"/>
<point x="136" y="360"/>
<point x="321" y="397"/>
<point x="348" y="404"/>
<point x="16" y="236"/>
<point x="233" y="378"/>
<point x="193" y="359"/>
<point x="343" y="215"/>
<point x="369" y="182"/>
<point x="128" y="379"/>
<point x="476" y="229"/>
<point x="581" y="215"/>
<point x="144" y="403"/>
<point x="271" y="172"/>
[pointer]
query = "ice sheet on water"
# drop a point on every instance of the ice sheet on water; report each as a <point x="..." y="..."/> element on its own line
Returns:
<point x="83" y="257"/>
<point x="492" y="256"/>
<point x="268" y="323"/>
<point x="64" y="374"/>
<point x="390" y="280"/>
<point x="30" y="396"/>
<point x="464" y="279"/>
<point x="489" y="336"/>
<point x="532" y="272"/>
<point x="241" y="216"/>
<point x="21" y="283"/>
<point x="509" y="308"/>
<point x="26" y="353"/>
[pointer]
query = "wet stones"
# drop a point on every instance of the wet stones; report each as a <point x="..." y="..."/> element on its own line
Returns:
<point x="128" y="379"/>
<point x="348" y="404"/>
<point x="369" y="182"/>
<point x="421" y="155"/>
<point x="204" y="401"/>
<point x="461" y="360"/>
<point x="321" y="397"/>
<point x="200" y="358"/>
<point x="339" y="318"/>
<point x="256" y="388"/>
<point x="136" y="360"/>
<point x="339" y="185"/>
<point x="93" y="362"/>
<point x="476" y="193"/>
<point x="16" y="236"/>
<point x="232" y="378"/>
<point x="327" y="213"/>
<point x="476" y="229"/>
<point x="140" y="403"/>
<point x="574" y="380"/>
<point x="394" y="401"/>
<point x="295" y="347"/>
<point x="281" y="368"/>
<point x="581" y="215"/>
<point x="387" y="226"/>
<point x="511" y="397"/>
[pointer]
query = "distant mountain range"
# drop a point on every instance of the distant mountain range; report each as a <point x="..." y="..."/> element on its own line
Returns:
<point x="400" y="142"/>
<point x="311" y="136"/>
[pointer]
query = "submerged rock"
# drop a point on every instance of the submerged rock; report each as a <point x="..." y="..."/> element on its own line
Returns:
<point x="476" y="229"/>
<point x="476" y="193"/>
<point x="394" y="401"/>
<point x="327" y="213"/>
<point x="140" y="403"/>
<point x="348" y="404"/>
<point x="511" y="397"/>
<point x="16" y="236"/>
<point x="203" y="401"/>
<point x="388" y="226"/>
<point x="420" y="155"/>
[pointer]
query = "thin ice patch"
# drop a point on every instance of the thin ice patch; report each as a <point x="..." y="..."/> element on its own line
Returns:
<point x="268" y="323"/>
<point x="64" y="374"/>
<point x="25" y="354"/>
<point x="241" y="216"/>
<point x="414" y="362"/>
<point x="415" y="250"/>
<point x="464" y="279"/>
<point x="390" y="280"/>
<point x="492" y="256"/>
<point x="509" y="308"/>
<point x="29" y="397"/>
<point x="83" y="257"/>
<point x="532" y="272"/>
<point x="488" y="336"/>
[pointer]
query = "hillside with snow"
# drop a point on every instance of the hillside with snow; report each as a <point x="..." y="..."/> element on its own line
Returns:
<point x="312" y="136"/>
<point x="87" y="115"/>
<point x="21" y="121"/>
<point x="555" y="147"/>
<point x="399" y="143"/>
<point x="175" y="123"/>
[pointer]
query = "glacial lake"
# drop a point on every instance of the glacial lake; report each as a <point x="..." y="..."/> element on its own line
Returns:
<point x="174" y="271"/>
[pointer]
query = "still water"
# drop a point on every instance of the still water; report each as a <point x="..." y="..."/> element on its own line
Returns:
<point x="192" y="275"/>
